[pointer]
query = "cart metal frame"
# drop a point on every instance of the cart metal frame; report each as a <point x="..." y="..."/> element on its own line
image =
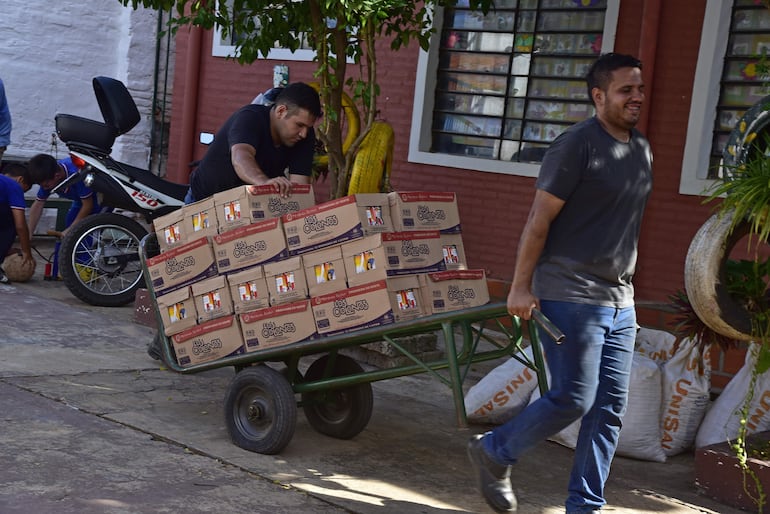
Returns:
<point x="351" y="383"/>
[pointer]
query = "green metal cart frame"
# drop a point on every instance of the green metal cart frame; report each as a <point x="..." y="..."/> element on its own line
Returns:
<point x="336" y="395"/>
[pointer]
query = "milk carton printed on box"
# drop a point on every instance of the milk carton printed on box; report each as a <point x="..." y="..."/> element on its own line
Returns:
<point x="285" y="280"/>
<point x="355" y="308"/>
<point x="277" y="326"/>
<point x="177" y="311"/>
<point x="265" y="202"/>
<point x="364" y="260"/>
<point x="170" y="230"/>
<point x="413" y="252"/>
<point x="324" y="271"/>
<point x="323" y="225"/>
<point x="212" y="298"/>
<point x="453" y="251"/>
<point x="232" y="208"/>
<point x="181" y="266"/>
<point x="247" y="246"/>
<point x="248" y="290"/>
<point x="200" y="219"/>
<point x="425" y="210"/>
<point x="406" y="297"/>
<point x="374" y="212"/>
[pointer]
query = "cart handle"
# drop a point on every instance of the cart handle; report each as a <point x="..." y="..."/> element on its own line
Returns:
<point x="548" y="326"/>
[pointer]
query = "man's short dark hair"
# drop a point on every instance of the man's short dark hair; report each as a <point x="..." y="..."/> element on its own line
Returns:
<point x="42" y="167"/>
<point x="600" y="74"/>
<point x="300" y="95"/>
<point x="17" y="169"/>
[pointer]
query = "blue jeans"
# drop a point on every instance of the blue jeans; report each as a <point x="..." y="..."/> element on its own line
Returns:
<point x="590" y="374"/>
<point x="188" y="198"/>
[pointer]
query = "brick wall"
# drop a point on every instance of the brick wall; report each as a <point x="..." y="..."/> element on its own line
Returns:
<point x="494" y="207"/>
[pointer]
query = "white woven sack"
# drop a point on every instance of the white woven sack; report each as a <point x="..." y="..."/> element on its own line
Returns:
<point x="658" y="345"/>
<point x="722" y="420"/>
<point x="686" y="386"/>
<point x="502" y="393"/>
<point x="640" y="436"/>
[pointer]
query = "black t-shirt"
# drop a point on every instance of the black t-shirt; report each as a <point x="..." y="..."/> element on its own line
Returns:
<point x="591" y="249"/>
<point x="250" y="125"/>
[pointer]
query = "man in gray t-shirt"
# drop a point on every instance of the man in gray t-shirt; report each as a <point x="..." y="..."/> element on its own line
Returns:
<point x="575" y="262"/>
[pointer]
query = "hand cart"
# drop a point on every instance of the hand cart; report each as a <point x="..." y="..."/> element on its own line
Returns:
<point x="335" y="391"/>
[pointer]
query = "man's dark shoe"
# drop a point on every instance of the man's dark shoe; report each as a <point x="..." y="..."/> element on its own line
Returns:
<point x="492" y="479"/>
<point x="3" y="277"/>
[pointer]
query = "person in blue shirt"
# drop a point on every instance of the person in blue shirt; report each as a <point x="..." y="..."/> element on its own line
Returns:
<point x="5" y="121"/>
<point x="46" y="171"/>
<point x="14" y="182"/>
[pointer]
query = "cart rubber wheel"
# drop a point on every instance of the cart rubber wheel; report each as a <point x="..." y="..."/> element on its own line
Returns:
<point x="704" y="277"/>
<point x="342" y="412"/>
<point x="260" y="410"/>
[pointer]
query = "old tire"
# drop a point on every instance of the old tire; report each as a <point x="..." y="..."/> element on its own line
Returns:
<point x="704" y="277"/>
<point x="260" y="410"/>
<point x="342" y="412"/>
<point x="374" y="160"/>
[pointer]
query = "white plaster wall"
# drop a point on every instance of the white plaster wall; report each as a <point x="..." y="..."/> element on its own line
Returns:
<point x="50" y="53"/>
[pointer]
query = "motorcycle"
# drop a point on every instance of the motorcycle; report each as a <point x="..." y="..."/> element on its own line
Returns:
<point x="99" y="256"/>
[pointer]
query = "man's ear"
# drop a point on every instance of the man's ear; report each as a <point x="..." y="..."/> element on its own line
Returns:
<point x="597" y="95"/>
<point x="280" y="110"/>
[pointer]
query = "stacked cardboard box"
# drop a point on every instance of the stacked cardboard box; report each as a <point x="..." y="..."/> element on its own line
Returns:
<point x="266" y="271"/>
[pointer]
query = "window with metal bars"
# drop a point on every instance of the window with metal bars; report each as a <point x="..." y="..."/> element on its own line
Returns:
<point x="512" y="80"/>
<point x="745" y="76"/>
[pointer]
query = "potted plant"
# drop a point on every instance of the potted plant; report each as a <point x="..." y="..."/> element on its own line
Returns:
<point x="729" y="298"/>
<point x="337" y="30"/>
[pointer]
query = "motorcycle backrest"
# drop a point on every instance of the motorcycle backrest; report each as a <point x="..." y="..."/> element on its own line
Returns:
<point x="115" y="102"/>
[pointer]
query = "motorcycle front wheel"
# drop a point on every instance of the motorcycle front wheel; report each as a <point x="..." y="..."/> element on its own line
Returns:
<point x="99" y="259"/>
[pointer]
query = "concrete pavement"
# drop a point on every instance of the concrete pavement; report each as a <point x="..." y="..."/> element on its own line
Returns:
<point x="93" y="425"/>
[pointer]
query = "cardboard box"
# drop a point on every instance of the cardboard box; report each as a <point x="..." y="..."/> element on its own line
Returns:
<point x="413" y="252"/>
<point x="277" y="326"/>
<point x="285" y="281"/>
<point x="374" y="212"/>
<point x="364" y="260"/>
<point x="267" y="203"/>
<point x="209" y="341"/>
<point x="406" y="297"/>
<point x="324" y="225"/>
<point x="248" y="290"/>
<point x="425" y="210"/>
<point x="454" y="290"/>
<point x="212" y="298"/>
<point x="177" y="310"/>
<point x="248" y="246"/>
<point x="453" y="251"/>
<point x="170" y="230"/>
<point x="324" y="271"/>
<point x="181" y="266"/>
<point x="232" y="208"/>
<point x="355" y="308"/>
<point x="200" y="219"/>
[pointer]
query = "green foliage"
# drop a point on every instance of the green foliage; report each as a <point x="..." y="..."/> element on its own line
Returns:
<point x="334" y="28"/>
<point x="746" y="189"/>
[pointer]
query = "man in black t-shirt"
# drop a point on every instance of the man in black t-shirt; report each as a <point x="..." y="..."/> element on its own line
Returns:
<point x="258" y="143"/>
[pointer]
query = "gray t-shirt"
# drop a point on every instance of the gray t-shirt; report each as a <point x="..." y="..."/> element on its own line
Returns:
<point x="590" y="253"/>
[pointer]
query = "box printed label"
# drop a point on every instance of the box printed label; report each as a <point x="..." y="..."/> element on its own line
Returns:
<point x="181" y="266"/>
<point x="354" y="308"/>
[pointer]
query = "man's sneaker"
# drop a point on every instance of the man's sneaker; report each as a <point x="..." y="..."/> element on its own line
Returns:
<point x="492" y="479"/>
<point x="3" y="277"/>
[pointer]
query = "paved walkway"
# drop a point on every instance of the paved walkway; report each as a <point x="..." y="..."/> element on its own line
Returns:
<point x="92" y="425"/>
